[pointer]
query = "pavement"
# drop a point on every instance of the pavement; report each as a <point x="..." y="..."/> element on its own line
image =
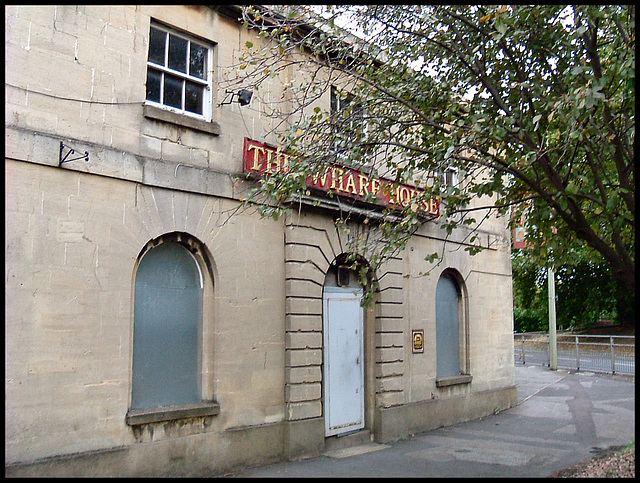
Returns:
<point x="562" y="418"/>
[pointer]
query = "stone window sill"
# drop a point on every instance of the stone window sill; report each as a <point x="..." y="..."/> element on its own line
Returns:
<point x="169" y="413"/>
<point x="152" y="112"/>
<point x="453" y="380"/>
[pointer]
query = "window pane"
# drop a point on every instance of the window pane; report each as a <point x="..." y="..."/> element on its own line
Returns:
<point x="154" y="78"/>
<point x="447" y="328"/>
<point x="167" y="318"/>
<point x="193" y="98"/>
<point x="198" y="61"/>
<point x="157" y="39"/>
<point x="172" y="91"/>
<point x="177" y="53"/>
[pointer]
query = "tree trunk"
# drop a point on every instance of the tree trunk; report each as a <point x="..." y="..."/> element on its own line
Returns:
<point x="625" y="305"/>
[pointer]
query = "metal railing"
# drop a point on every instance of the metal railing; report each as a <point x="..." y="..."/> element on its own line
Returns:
<point x="614" y="354"/>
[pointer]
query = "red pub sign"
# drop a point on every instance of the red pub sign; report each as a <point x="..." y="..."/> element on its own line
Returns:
<point x="262" y="159"/>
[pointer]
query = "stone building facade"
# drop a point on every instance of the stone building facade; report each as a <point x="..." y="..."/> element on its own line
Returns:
<point x="122" y="185"/>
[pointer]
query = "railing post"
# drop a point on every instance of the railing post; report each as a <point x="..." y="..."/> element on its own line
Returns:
<point x="577" y="353"/>
<point x="613" y="356"/>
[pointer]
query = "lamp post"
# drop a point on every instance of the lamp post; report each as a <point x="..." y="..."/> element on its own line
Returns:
<point x="553" y="341"/>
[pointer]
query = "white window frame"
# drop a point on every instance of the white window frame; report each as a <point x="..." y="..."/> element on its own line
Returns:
<point x="450" y="177"/>
<point x="207" y="100"/>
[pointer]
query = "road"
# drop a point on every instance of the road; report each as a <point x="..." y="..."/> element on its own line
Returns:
<point x="562" y="418"/>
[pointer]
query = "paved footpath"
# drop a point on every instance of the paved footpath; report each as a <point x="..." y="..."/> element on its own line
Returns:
<point x="562" y="418"/>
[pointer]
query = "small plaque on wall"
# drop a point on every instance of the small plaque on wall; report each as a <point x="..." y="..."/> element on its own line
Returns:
<point x="418" y="341"/>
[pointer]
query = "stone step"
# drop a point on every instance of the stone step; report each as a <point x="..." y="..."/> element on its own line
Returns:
<point x="356" y="450"/>
<point x="358" y="438"/>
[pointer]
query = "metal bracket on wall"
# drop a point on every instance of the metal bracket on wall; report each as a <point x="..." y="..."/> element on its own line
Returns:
<point x="64" y="157"/>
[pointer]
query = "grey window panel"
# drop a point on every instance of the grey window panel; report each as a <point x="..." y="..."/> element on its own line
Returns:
<point x="167" y="319"/>
<point x="447" y="328"/>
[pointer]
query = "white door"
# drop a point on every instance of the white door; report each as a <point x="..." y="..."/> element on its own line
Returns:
<point x="343" y="360"/>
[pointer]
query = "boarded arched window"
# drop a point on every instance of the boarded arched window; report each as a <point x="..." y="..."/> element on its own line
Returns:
<point x="167" y="325"/>
<point x="448" y="333"/>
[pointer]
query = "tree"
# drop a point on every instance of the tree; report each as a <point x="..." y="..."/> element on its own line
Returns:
<point x="585" y="292"/>
<point x="533" y="106"/>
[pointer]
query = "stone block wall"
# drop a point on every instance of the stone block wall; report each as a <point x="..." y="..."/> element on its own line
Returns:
<point x="72" y="242"/>
<point x="76" y="80"/>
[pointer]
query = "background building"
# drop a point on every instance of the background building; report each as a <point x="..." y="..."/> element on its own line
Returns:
<point x="152" y="326"/>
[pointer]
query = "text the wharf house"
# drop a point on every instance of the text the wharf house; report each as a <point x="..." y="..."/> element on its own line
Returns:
<point x="153" y="327"/>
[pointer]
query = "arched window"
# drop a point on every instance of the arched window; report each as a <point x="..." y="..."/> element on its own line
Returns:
<point x="167" y="328"/>
<point x="449" y="328"/>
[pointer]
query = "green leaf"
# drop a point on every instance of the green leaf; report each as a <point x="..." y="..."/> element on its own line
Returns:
<point x="577" y="70"/>
<point x="535" y="116"/>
